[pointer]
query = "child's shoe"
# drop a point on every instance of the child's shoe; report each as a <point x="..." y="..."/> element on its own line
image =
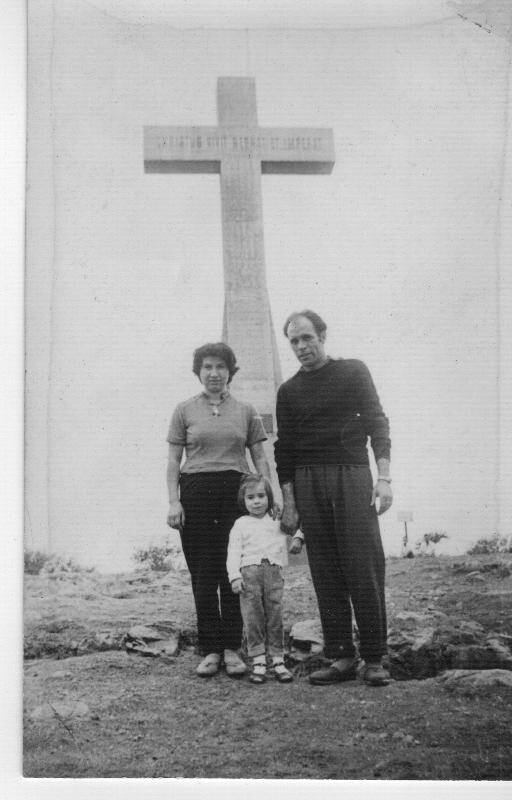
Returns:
<point x="258" y="672"/>
<point x="282" y="674"/>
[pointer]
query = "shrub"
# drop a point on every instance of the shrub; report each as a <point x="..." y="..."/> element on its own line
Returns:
<point x="490" y="545"/>
<point x="434" y="537"/>
<point x="34" y="561"/>
<point x="426" y="545"/>
<point x="37" y="563"/>
<point x="157" y="557"/>
<point x="59" y="565"/>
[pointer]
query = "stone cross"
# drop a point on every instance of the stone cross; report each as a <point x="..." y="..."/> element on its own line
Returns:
<point x="240" y="151"/>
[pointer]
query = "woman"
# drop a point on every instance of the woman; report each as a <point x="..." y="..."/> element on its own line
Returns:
<point x="215" y="430"/>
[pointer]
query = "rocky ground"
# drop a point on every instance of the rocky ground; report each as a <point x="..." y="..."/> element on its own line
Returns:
<point x="110" y="688"/>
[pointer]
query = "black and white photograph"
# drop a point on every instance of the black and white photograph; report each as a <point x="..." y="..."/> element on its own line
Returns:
<point x="267" y="530"/>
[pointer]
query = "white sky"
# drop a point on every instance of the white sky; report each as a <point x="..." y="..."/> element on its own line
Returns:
<point x="397" y="249"/>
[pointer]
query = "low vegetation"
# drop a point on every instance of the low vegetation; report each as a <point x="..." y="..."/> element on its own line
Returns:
<point x="36" y="562"/>
<point x="158" y="557"/>
<point x="492" y="545"/>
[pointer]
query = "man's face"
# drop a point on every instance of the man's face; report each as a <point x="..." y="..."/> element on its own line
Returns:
<point x="306" y="343"/>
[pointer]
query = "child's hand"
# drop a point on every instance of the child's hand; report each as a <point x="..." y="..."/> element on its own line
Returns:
<point x="237" y="586"/>
<point x="296" y="545"/>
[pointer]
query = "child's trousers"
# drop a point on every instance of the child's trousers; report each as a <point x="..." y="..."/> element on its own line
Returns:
<point x="260" y="604"/>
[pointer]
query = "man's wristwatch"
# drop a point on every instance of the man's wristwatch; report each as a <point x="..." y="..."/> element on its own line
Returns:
<point x="383" y="478"/>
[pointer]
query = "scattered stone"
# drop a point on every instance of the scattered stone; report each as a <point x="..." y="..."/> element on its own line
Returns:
<point x="475" y="576"/>
<point x="145" y="632"/>
<point x="501" y="646"/>
<point x="99" y="642"/>
<point x="499" y="568"/>
<point x="405" y="738"/>
<point x="157" y="640"/>
<point x="474" y="681"/>
<point x="413" y="616"/>
<point x="306" y="639"/>
<point x="479" y="656"/>
<point x="60" y="710"/>
<point x="424" y="645"/>
<point x="61" y="674"/>
<point x="466" y="566"/>
<point x="470" y="631"/>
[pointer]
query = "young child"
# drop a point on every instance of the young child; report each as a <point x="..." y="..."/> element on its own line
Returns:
<point x="256" y="555"/>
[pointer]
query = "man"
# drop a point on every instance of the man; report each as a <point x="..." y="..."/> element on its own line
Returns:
<point x="325" y="414"/>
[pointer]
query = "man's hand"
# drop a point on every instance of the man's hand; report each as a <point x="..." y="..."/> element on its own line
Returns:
<point x="289" y="519"/>
<point x="382" y="490"/>
<point x="176" y="515"/>
<point x="237" y="586"/>
<point x="296" y="545"/>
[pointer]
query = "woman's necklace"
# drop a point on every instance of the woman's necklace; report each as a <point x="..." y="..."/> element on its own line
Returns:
<point x="214" y="404"/>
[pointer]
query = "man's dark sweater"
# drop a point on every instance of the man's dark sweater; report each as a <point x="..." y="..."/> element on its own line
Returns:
<point x="325" y="416"/>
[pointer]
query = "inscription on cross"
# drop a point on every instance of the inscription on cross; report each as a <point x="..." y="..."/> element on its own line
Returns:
<point x="240" y="151"/>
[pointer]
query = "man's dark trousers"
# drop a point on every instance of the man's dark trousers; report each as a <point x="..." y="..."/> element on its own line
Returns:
<point x="345" y="556"/>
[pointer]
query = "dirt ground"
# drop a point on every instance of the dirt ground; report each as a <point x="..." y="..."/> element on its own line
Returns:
<point x="110" y="714"/>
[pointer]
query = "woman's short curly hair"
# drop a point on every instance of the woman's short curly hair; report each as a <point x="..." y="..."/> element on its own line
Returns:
<point x="316" y="320"/>
<point x="215" y="350"/>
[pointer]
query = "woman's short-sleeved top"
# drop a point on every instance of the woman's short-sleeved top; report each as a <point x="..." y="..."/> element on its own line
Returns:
<point x="215" y="442"/>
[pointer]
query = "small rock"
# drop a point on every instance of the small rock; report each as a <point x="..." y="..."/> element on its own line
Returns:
<point x="423" y="640"/>
<point x="308" y="630"/>
<point x="61" y="674"/>
<point x="412" y="616"/>
<point x="502" y="652"/>
<point x="470" y="631"/>
<point x="478" y="657"/>
<point x="475" y="576"/>
<point x="475" y="680"/>
<point x="144" y="632"/>
<point x="159" y="647"/>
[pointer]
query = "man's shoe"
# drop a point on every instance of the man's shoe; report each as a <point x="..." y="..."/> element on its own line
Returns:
<point x="235" y="667"/>
<point x="209" y="665"/>
<point x="334" y="673"/>
<point x="374" y="674"/>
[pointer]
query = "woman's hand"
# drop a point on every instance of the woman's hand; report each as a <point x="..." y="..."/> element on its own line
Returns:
<point x="276" y="511"/>
<point x="237" y="586"/>
<point x="382" y="490"/>
<point x="176" y="515"/>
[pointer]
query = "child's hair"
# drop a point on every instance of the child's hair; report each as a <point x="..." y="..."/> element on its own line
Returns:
<point x="251" y="480"/>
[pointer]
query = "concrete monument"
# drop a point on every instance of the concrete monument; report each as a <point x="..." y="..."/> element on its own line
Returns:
<point x="240" y="151"/>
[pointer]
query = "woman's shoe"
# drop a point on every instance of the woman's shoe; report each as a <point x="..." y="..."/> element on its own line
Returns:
<point x="258" y="673"/>
<point x="209" y="665"/>
<point x="235" y="667"/>
<point x="282" y="674"/>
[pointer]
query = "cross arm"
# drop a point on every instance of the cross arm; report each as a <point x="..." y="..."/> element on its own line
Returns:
<point x="201" y="148"/>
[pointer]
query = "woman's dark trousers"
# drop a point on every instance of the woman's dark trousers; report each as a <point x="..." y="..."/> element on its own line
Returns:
<point x="209" y="500"/>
